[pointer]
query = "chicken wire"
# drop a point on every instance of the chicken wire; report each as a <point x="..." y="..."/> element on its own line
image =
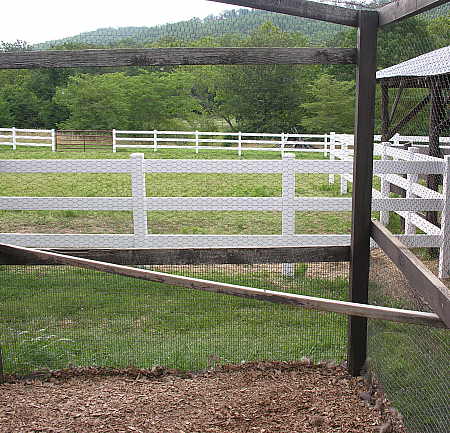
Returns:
<point x="57" y="317"/>
<point x="410" y="362"/>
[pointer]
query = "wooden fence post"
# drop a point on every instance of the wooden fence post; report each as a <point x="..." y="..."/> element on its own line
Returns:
<point x="444" y="256"/>
<point x="240" y="143"/>
<point x="332" y="157"/>
<point x="362" y="186"/>
<point x="288" y="213"/>
<point x="114" y="141"/>
<point x="14" y="138"/>
<point x="410" y="229"/>
<point x="385" y="187"/>
<point x="53" y="140"/>
<point x="139" y="200"/>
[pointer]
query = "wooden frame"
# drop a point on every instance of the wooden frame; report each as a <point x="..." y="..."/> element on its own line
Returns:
<point x="307" y="302"/>
<point x="401" y="9"/>
<point x="419" y="277"/>
<point x="176" y="56"/>
<point x="362" y="186"/>
<point x="197" y="256"/>
<point x="302" y="8"/>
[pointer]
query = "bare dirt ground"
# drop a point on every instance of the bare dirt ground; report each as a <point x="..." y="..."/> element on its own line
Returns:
<point x="255" y="397"/>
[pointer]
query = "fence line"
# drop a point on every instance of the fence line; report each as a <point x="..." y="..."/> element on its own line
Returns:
<point x="431" y="200"/>
<point x="288" y="203"/>
<point x="15" y="138"/>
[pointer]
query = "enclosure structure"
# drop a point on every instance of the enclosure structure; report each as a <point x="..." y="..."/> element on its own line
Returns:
<point x="357" y="254"/>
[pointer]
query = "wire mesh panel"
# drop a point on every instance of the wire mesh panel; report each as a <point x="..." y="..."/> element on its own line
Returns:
<point x="411" y="362"/>
<point x="57" y="317"/>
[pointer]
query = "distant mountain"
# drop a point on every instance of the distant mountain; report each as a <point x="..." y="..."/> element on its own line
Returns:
<point x="237" y="21"/>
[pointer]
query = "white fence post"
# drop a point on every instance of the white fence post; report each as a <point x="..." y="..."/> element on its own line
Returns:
<point x="197" y="143"/>
<point x="240" y="143"/>
<point x="283" y="144"/>
<point x="288" y="213"/>
<point x="396" y="140"/>
<point x="385" y="187"/>
<point x="139" y="200"/>
<point x="155" y="140"/>
<point x="53" y="140"/>
<point x="332" y="157"/>
<point x="344" y="185"/>
<point x="14" y="139"/>
<point x="444" y="257"/>
<point x="325" y="146"/>
<point x="410" y="229"/>
<point x="114" y="143"/>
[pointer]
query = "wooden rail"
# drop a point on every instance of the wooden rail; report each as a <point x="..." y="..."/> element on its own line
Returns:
<point x="308" y="302"/>
<point x="419" y="277"/>
<point x="175" y="56"/>
<point x="192" y="256"/>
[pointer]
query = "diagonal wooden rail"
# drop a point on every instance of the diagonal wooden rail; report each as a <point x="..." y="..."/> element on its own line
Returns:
<point x="308" y="302"/>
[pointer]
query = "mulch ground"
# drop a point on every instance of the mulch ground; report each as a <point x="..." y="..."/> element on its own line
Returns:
<point x="254" y="397"/>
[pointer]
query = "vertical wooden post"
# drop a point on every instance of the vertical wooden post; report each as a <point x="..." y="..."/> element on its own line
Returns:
<point x="139" y="200"/>
<point x="53" y="140"/>
<point x="114" y="141"/>
<point x="444" y="257"/>
<point x="410" y="229"/>
<point x="385" y="117"/>
<point x="14" y="138"/>
<point x="362" y="185"/>
<point x="332" y="157"/>
<point x="288" y="216"/>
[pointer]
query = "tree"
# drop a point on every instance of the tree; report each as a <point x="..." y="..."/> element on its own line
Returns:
<point x="332" y="107"/>
<point x="258" y="98"/>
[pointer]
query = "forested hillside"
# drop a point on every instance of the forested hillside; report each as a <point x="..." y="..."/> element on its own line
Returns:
<point x="273" y="98"/>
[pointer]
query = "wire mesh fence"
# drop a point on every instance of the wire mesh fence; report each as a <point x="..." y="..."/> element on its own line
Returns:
<point x="57" y="317"/>
<point x="409" y="361"/>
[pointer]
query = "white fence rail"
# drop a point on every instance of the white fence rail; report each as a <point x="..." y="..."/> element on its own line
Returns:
<point x="419" y="196"/>
<point x="288" y="203"/>
<point x="14" y="138"/>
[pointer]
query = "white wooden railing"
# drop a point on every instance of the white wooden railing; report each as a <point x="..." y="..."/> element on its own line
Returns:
<point x="14" y="138"/>
<point x="288" y="203"/>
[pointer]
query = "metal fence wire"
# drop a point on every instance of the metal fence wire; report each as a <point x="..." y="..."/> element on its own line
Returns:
<point x="411" y="362"/>
<point x="55" y="317"/>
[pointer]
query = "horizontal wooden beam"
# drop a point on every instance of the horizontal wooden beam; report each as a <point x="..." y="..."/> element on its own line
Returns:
<point x="176" y="56"/>
<point x="419" y="277"/>
<point x="308" y="302"/>
<point x="401" y="9"/>
<point x="302" y="8"/>
<point x="197" y="256"/>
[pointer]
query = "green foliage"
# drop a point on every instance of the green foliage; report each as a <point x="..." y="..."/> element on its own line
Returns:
<point x="146" y="101"/>
<point x="333" y="106"/>
<point x="439" y="30"/>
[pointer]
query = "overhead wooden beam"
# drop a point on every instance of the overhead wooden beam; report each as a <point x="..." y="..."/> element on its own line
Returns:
<point x="401" y="9"/>
<point x="302" y="8"/>
<point x="420" y="278"/>
<point x="194" y="256"/>
<point x="307" y="302"/>
<point x="176" y="56"/>
<point x="362" y="186"/>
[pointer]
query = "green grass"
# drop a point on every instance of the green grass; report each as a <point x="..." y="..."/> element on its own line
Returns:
<point x="57" y="317"/>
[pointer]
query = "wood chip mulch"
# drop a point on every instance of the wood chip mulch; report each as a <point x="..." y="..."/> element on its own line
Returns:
<point x="255" y="397"/>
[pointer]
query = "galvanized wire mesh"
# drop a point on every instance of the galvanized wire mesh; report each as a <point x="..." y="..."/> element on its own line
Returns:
<point x="411" y="362"/>
<point x="57" y="317"/>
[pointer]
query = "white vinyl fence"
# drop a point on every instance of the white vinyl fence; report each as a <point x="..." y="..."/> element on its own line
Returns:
<point x="288" y="204"/>
<point x="14" y="138"/>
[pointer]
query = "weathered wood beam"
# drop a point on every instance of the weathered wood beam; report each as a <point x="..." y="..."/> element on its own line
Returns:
<point x="401" y="9"/>
<point x="385" y="118"/>
<point x="196" y="256"/>
<point x="412" y="113"/>
<point x="176" y="56"/>
<point x="420" y="278"/>
<point x="307" y="302"/>
<point x="302" y="8"/>
<point x="362" y="186"/>
<point x="396" y="102"/>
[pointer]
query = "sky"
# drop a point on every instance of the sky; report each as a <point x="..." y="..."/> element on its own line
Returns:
<point x="43" y="20"/>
